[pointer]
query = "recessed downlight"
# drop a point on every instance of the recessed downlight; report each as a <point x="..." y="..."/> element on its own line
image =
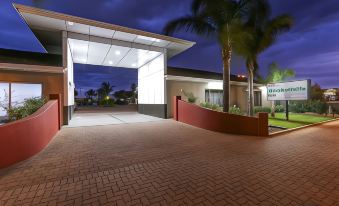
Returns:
<point x="134" y="65"/>
<point x="110" y="62"/>
<point x="117" y="52"/>
<point x="70" y="23"/>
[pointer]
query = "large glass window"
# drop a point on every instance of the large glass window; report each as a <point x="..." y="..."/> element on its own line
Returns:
<point x="257" y="98"/>
<point x="21" y="91"/>
<point x="214" y="96"/>
<point x="14" y="94"/>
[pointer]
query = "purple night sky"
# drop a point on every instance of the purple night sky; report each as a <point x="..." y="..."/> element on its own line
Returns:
<point x="311" y="48"/>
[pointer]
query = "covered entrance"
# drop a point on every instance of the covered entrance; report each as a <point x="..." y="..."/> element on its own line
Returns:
<point x="86" y="41"/>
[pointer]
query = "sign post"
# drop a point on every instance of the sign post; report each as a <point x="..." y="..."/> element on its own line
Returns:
<point x="287" y="118"/>
<point x="285" y="91"/>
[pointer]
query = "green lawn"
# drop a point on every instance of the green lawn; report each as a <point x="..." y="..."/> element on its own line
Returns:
<point x="296" y="120"/>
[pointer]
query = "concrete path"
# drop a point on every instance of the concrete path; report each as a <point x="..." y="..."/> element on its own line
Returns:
<point x="169" y="163"/>
<point x="99" y="116"/>
<point x="84" y="119"/>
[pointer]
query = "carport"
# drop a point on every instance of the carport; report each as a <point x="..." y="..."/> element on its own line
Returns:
<point x="86" y="41"/>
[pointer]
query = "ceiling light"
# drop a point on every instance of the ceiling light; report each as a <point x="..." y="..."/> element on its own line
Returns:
<point x="70" y="23"/>
<point x="117" y="52"/>
<point x="110" y="62"/>
<point x="134" y="65"/>
<point x="157" y="40"/>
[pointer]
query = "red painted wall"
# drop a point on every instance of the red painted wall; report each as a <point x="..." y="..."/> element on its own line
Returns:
<point x="22" y="139"/>
<point x="218" y="121"/>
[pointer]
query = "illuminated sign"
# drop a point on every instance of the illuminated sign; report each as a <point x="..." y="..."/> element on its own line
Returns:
<point x="295" y="90"/>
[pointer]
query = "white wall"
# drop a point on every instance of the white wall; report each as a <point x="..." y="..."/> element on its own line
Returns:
<point x="70" y="76"/>
<point x="151" y="82"/>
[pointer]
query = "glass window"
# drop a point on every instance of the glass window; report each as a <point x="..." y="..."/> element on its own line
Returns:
<point x="214" y="96"/>
<point x="257" y="98"/>
<point x="4" y="98"/>
<point x="22" y="91"/>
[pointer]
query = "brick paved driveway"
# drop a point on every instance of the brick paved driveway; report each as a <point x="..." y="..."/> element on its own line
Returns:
<point x="169" y="163"/>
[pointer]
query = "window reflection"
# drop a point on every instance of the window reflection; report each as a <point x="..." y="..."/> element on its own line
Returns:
<point x="19" y="92"/>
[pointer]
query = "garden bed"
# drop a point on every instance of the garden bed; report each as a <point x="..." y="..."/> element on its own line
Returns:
<point x="296" y="120"/>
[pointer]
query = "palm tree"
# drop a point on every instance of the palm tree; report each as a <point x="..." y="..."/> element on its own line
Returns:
<point x="91" y="93"/>
<point x="215" y="18"/>
<point x="105" y="90"/>
<point x="277" y="74"/>
<point x="259" y="32"/>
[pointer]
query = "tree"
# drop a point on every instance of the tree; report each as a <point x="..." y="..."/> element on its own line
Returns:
<point x="105" y="90"/>
<point x="217" y="18"/>
<point x="90" y="94"/>
<point x="277" y="74"/>
<point x="317" y="93"/>
<point x="259" y="32"/>
<point x="76" y="92"/>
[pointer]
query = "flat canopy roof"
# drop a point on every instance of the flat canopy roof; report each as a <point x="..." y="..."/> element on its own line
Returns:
<point x="44" y="20"/>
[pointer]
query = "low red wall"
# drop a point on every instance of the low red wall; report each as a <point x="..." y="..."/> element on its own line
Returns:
<point x="219" y="121"/>
<point x="22" y="139"/>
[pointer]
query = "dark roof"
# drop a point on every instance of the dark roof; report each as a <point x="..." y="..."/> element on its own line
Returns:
<point x="185" y="72"/>
<point x="30" y="58"/>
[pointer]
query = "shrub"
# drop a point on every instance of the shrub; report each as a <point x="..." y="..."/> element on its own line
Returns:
<point x="279" y="108"/>
<point x="315" y="106"/>
<point x="262" y="109"/>
<point x="318" y="107"/>
<point x="28" y="107"/>
<point x="190" y="97"/>
<point x="211" y="106"/>
<point x="107" y="102"/>
<point x="298" y="106"/>
<point x="235" y="110"/>
<point x="121" y="102"/>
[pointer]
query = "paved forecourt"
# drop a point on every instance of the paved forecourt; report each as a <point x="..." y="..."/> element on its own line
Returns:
<point x="169" y="163"/>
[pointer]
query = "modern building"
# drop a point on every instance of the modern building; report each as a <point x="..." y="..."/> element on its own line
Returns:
<point x="68" y="39"/>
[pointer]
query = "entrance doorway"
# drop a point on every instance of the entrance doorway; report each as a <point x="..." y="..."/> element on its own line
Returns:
<point x="147" y="62"/>
<point x="106" y="95"/>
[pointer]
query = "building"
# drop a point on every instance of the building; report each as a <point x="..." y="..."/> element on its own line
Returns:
<point x="207" y="87"/>
<point x="68" y="39"/>
<point x="331" y="94"/>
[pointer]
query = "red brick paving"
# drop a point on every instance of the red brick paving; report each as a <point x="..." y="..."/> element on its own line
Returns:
<point x="169" y="163"/>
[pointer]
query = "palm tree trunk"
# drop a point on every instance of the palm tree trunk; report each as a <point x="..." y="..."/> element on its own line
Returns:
<point x="272" y="108"/>
<point x="226" y="58"/>
<point x="250" y="107"/>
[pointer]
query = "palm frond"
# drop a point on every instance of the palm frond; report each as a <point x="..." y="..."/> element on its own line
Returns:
<point x="273" y="28"/>
<point x="195" y="24"/>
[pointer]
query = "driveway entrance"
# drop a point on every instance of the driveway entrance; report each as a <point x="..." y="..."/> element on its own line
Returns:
<point x="96" y="116"/>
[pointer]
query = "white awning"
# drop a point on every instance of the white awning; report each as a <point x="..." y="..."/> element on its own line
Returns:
<point x="99" y="43"/>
